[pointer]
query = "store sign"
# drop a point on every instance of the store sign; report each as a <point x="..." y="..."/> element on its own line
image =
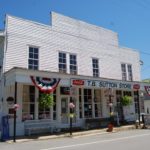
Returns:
<point x="77" y="82"/>
<point x="102" y="84"/>
<point x="136" y="86"/>
<point x="108" y="84"/>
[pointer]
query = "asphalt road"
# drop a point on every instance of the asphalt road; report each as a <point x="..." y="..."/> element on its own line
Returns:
<point x="123" y="140"/>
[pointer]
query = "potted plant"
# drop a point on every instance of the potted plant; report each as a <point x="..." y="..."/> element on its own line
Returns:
<point x="126" y="100"/>
<point x="46" y="101"/>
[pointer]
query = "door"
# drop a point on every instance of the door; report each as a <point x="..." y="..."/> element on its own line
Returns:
<point x="64" y="110"/>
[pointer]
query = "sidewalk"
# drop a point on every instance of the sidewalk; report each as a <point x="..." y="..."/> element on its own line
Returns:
<point x="74" y="134"/>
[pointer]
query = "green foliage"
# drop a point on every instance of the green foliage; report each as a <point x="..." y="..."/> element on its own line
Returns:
<point x="46" y="100"/>
<point x="146" y="80"/>
<point x="126" y="100"/>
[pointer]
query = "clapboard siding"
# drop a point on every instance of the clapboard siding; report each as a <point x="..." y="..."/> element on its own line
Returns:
<point x="83" y="29"/>
<point x="70" y="36"/>
<point x="1" y="50"/>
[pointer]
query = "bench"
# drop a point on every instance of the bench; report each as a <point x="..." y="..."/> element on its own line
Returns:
<point x="91" y="123"/>
<point x="33" y="127"/>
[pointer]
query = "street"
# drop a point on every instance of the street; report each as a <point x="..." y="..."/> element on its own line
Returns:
<point x="124" y="140"/>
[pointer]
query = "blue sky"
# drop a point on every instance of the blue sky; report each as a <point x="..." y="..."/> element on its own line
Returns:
<point x="129" y="18"/>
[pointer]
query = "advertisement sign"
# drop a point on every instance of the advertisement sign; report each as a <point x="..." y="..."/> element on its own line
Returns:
<point x="103" y="84"/>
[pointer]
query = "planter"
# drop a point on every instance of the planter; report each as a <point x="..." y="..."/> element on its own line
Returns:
<point x="110" y="127"/>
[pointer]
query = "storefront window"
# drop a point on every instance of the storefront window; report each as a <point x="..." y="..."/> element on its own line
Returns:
<point x="80" y="103"/>
<point x="119" y="108"/>
<point x="44" y="112"/>
<point x="65" y="90"/>
<point x="28" y="103"/>
<point x="87" y="103"/>
<point x="97" y="103"/>
<point x="136" y="101"/>
<point x="54" y="106"/>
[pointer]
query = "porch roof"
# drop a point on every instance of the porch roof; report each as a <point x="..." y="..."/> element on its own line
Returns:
<point x="22" y="75"/>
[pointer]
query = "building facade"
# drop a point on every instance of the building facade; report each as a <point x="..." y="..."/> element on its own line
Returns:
<point x="92" y="71"/>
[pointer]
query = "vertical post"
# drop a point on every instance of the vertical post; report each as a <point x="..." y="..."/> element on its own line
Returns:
<point x="110" y="108"/>
<point x="110" y="105"/>
<point x="71" y="111"/>
<point x="15" y="101"/>
<point x="138" y="97"/>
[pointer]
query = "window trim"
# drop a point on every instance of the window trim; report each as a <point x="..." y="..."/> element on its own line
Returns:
<point x="93" y="58"/>
<point x="62" y="71"/>
<point x="32" y="46"/>
<point x="75" y="65"/>
<point x="127" y="72"/>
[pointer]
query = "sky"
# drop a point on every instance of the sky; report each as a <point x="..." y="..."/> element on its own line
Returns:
<point x="129" y="18"/>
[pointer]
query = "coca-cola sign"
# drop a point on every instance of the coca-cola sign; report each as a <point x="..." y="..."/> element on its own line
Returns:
<point x="78" y="82"/>
<point x="136" y="86"/>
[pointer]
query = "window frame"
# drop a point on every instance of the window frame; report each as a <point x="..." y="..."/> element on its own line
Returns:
<point x="74" y="70"/>
<point x="33" y="59"/>
<point x="130" y="74"/>
<point x="124" y="72"/>
<point x="63" y="63"/>
<point x="127" y="73"/>
<point x="95" y="67"/>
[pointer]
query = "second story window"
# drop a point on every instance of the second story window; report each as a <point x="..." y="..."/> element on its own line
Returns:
<point x="95" y="63"/>
<point x="33" y="61"/>
<point x="73" y="64"/>
<point x="62" y="63"/>
<point x="130" y="72"/>
<point x="124" y="73"/>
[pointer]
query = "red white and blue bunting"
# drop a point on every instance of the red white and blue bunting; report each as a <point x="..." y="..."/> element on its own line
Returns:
<point x="147" y="88"/>
<point x="45" y="85"/>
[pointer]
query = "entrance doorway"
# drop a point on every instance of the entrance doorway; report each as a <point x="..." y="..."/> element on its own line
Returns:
<point x="64" y="110"/>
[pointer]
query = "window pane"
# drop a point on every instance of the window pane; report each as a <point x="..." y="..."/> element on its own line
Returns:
<point x="36" y="67"/>
<point x="30" y="61"/>
<point x="36" y="56"/>
<point x="30" y="55"/>
<point x="30" y="50"/>
<point x="33" y="58"/>
<point x="36" y="50"/>
<point x="35" y="62"/>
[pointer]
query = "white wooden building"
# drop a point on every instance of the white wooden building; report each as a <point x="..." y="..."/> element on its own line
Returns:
<point x="85" y="57"/>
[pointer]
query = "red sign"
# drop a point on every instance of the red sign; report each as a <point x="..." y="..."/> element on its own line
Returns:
<point x="136" y="86"/>
<point x="78" y="82"/>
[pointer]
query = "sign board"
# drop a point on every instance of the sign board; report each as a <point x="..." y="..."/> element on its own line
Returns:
<point x="103" y="84"/>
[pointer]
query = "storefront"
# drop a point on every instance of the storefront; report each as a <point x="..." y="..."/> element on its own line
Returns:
<point x="92" y="98"/>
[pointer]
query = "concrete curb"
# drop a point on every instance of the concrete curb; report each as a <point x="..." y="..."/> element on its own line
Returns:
<point x="74" y="134"/>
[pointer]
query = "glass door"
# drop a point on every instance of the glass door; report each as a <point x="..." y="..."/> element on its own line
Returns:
<point x="64" y="110"/>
